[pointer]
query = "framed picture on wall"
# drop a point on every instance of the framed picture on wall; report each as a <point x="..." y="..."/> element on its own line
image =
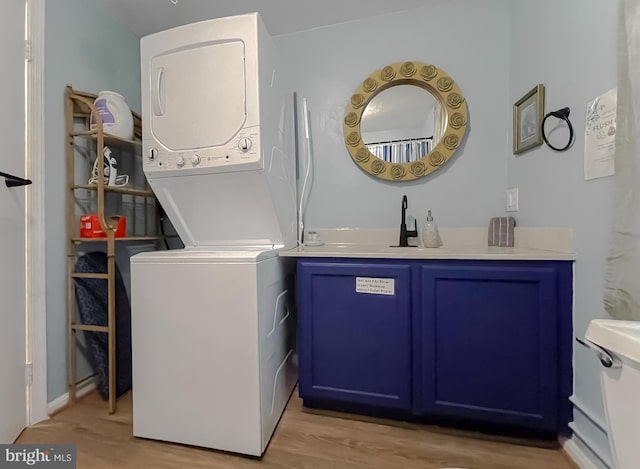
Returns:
<point x="528" y="112"/>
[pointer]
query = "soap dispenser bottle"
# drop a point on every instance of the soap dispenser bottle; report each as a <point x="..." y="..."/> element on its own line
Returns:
<point x="430" y="235"/>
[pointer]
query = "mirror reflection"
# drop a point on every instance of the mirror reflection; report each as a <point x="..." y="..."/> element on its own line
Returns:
<point x="402" y="124"/>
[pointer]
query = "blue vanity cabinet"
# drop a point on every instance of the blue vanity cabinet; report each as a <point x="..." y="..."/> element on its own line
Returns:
<point x="495" y="342"/>
<point x="354" y="326"/>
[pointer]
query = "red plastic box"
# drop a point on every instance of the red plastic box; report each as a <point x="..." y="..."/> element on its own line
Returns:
<point x="90" y="226"/>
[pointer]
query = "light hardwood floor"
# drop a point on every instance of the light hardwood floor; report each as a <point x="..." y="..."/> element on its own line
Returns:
<point x="302" y="441"/>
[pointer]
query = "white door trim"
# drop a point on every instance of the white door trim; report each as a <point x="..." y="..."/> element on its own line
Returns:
<point x="35" y="229"/>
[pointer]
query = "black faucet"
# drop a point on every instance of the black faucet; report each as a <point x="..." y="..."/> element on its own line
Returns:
<point x="404" y="233"/>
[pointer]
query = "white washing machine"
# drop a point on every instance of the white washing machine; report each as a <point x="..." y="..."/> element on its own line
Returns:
<point x="213" y="346"/>
<point x="213" y="332"/>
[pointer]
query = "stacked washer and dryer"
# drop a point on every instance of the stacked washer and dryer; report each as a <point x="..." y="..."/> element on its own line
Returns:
<point x="213" y="332"/>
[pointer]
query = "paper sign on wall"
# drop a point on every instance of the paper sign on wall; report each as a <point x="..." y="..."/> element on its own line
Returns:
<point x="375" y="286"/>
<point x="600" y="136"/>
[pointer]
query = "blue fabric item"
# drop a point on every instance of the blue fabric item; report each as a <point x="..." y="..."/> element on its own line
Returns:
<point x="91" y="297"/>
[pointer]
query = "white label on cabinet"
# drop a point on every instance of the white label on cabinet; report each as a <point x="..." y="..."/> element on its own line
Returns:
<point x="376" y="286"/>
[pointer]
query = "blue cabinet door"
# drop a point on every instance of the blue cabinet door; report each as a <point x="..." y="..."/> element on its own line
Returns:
<point x="489" y="343"/>
<point x="354" y="323"/>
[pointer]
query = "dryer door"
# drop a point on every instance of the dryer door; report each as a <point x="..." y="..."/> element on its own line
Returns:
<point x="200" y="90"/>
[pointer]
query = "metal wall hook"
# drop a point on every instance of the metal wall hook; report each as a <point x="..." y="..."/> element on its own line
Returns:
<point x="562" y="114"/>
<point x="13" y="181"/>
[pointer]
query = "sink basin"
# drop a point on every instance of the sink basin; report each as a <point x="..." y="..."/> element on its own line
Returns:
<point x="619" y="337"/>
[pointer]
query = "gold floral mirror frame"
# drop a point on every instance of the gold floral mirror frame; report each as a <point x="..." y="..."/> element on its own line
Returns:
<point x="428" y="77"/>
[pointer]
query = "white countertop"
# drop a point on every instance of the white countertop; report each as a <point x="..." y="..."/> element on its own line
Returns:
<point x="458" y="243"/>
<point x="458" y="252"/>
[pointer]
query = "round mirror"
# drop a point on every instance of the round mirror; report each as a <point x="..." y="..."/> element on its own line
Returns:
<point x="399" y="124"/>
<point x="405" y="121"/>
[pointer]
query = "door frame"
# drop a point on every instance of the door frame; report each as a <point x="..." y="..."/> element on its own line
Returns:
<point x="35" y="279"/>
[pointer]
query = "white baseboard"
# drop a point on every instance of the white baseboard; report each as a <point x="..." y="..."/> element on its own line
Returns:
<point x="577" y="453"/>
<point x="596" y="420"/>
<point x="62" y="401"/>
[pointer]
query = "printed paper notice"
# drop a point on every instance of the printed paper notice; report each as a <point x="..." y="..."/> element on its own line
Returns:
<point x="375" y="286"/>
<point x="600" y="136"/>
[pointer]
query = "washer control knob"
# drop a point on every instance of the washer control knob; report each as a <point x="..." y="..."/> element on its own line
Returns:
<point x="153" y="154"/>
<point x="195" y="160"/>
<point x="244" y="144"/>
<point x="180" y="161"/>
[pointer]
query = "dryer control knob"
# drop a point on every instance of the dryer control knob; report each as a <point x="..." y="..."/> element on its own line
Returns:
<point x="180" y="161"/>
<point x="244" y="143"/>
<point x="195" y="160"/>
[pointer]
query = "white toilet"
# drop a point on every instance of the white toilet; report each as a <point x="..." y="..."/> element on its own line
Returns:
<point x="617" y="344"/>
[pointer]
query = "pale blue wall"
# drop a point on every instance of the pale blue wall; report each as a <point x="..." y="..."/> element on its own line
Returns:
<point x="570" y="47"/>
<point x="469" y="41"/>
<point x="91" y="51"/>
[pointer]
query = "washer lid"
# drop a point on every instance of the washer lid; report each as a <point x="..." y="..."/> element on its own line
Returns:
<point x="619" y="337"/>
<point x="206" y="255"/>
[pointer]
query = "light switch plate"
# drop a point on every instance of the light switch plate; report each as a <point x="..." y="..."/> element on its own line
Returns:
<point x="512" y="199"/>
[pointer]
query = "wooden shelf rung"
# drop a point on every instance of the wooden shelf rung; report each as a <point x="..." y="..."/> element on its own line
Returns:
<point x="108" y="138"/>
<point x="88" y="327"/>
<point x="120" y="190"/>
<point x="89" y="275"/>
<point x="126" y="238"/>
